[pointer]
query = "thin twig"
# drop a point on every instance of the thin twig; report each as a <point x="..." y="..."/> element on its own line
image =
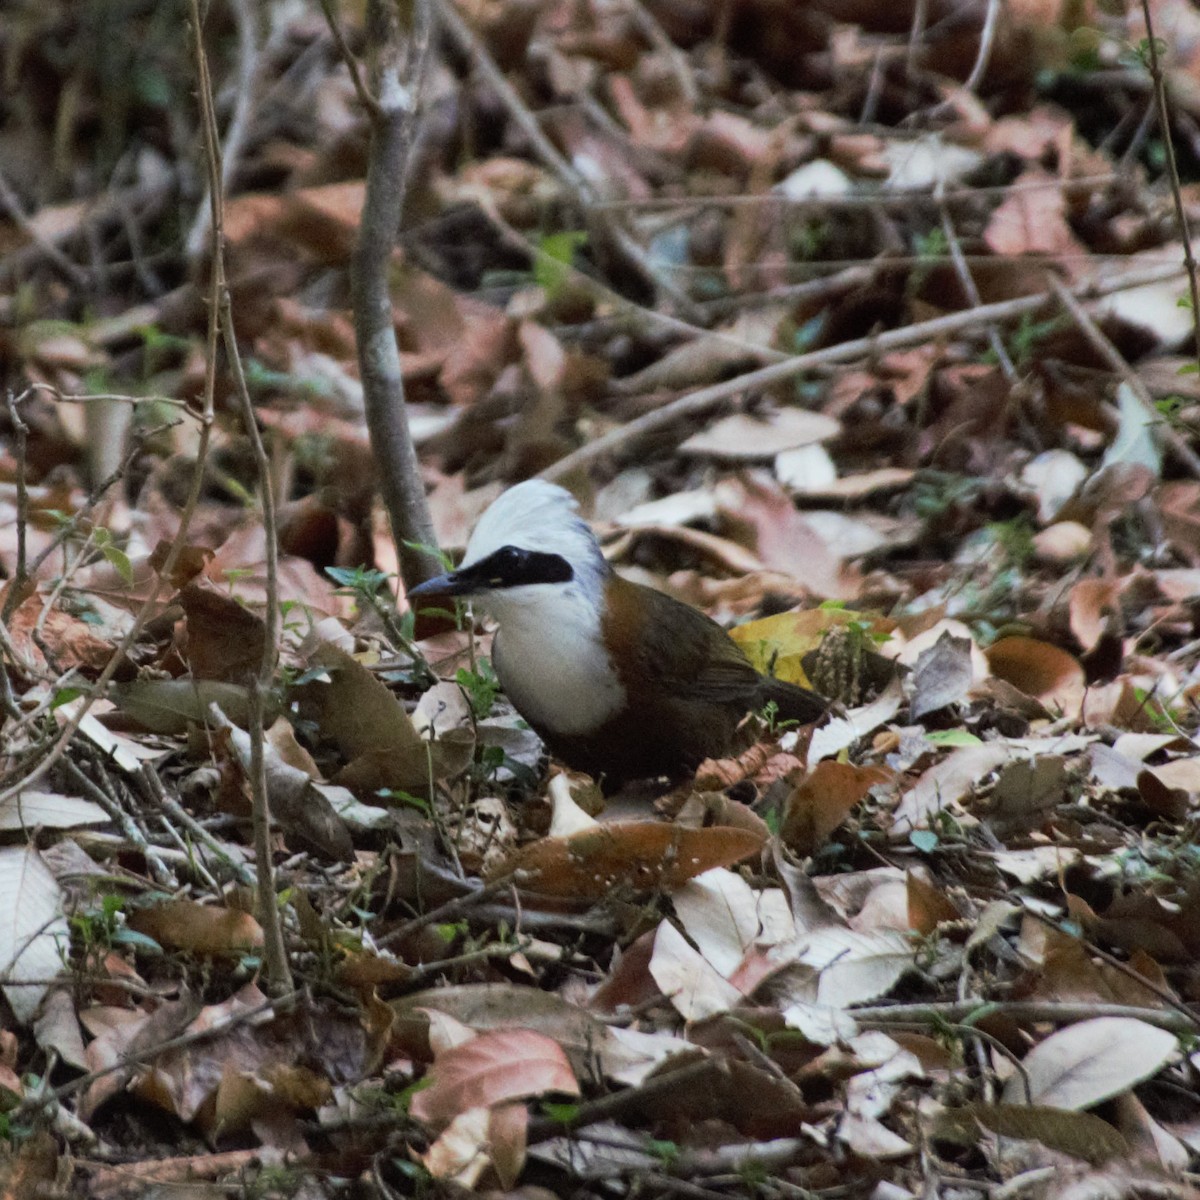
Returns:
<point x="1024" y="1011"/>
<point x="172" y="808"/>
<point x="449" y="911"/>
<point x="16" y="585"/>
<point x="1164" y="124"/>
<point x="963" y="271"/>
<point x="1161" y="429"/>
<point x="11" y="205"/>
<point x="365" y="98"/>
<point x="248" y="78"/>
<point x="986" y="38"/>
<point x="127" y="825"/>
<point x="617" y="1104"/>
<point x="275" y="951"/>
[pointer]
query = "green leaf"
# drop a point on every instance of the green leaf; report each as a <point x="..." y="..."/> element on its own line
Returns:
<point x="924" y="840"/>
<point x="119" y="559"/>
<point x="953" y="737"/>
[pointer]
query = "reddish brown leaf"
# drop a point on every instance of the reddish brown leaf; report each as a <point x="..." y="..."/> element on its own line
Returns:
<point x="642" y="855"/>
<point x="506" y="1064"/>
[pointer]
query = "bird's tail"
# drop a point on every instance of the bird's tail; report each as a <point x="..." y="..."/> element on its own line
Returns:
<point x="792" y="703"/>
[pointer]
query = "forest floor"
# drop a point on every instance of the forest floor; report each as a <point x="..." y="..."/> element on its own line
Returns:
<point x="866" y="330"/>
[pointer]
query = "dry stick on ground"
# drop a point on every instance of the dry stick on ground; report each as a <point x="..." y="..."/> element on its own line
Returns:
<point x="696" y="403"/>
<point x="617" y="1104"/>
<point x="397" y="67"/>
<point x="17" y="583"/>
<point x="922" y="1016"/>
<point x="1164" y="125"/>
<point x="124" y="822"/>
<point x="1162" y="430"/>
<point x="173" y="809"/>
<point x="469" y="44"/>
<point x="449" y="911"/>
<point x="279" y="976"/>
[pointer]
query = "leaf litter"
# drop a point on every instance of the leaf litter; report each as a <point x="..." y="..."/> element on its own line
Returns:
<point x="942" y="941"/>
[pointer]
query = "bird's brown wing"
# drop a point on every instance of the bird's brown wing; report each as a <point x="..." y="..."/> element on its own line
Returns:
<point x="668" y="645"/>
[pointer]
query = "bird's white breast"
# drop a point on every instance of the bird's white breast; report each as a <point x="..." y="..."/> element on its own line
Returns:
<point x="551" y="659"/>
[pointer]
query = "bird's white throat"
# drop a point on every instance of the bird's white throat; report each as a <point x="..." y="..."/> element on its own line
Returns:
<point x="550" y="655"/>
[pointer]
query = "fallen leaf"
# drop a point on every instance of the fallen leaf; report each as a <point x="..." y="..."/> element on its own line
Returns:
<point x="1089" y="1062"/>
<point x="505" y="1064"/>
<point x="642" y="855"/>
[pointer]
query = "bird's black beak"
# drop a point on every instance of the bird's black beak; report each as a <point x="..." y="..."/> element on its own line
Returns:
<point x="455" y="583"/>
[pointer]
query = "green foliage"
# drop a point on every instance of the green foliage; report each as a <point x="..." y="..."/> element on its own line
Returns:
<point x="808" y="238"/>
<point x="935" y="493"/>
<point x="1014" y="540"/>
<point x="769" y="715"/>
<point x="561" y="1111"/>
<point x="481" y="686"/>
<point x="361" y="582"/>
<point x="103" y="541"/>
<point x="1022" y="343"/>
<point x="953" y="737"/>
<point x="397" y="796"/>
<point x="930" y="249"/>
<point x="552" y="267"/>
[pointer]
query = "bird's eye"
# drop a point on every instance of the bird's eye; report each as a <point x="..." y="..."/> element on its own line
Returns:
<point x="510" y="556"/>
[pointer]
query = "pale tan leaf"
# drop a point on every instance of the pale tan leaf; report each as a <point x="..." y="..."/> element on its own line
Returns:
<point x="725" y="917"/>
<point x="693" y="985"/>
<point x="34" y="938"/>
<point x="856" y="967"/>
<point x="50" y="809"/>
<point x="944" y="785"/>
<point x="1091" y="1061"/>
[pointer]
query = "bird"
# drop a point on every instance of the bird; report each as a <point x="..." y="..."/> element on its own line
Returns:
<point x="619" y="680"/>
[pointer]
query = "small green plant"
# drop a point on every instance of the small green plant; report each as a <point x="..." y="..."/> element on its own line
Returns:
<point x="159" y="349"/>
<point x="397" y="796"/>
<point x="1023" y="341"/>
<point x="935" y="493"/>
<point x="102" y="539"/>
<point x="481" y="686"/>
<point x="563" y="1112"/>
<point x="666" y="1152"/>
<point x="362" y="582"/>
<point x="769" y="715"/>
<point x="808" y="239"/>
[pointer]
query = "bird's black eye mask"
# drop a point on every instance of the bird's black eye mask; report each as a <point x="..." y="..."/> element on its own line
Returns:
<point x="508" y="567"/>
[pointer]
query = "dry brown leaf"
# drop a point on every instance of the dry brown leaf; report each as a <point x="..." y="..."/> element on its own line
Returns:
<point x="823" y="801"/>
<point x="928" y="906"/>
<point x="202" y="929"/>
<point x="642" y="855"/>
<point x="1040" y="670"/>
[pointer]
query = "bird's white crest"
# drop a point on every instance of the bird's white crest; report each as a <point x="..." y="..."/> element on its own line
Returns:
<point x="549" y="651"/>
<point x="536" y="515"/>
